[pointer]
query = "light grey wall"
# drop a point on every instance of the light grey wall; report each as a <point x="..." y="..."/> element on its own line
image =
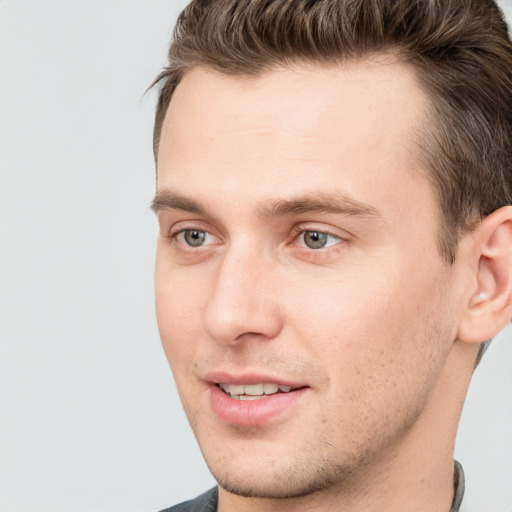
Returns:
<point x="89" y="418"/>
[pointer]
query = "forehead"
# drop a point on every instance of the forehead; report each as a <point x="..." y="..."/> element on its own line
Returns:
<point x="351" y="125"/>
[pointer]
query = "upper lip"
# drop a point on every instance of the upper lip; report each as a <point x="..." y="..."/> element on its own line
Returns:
<point x="217" y="377"/>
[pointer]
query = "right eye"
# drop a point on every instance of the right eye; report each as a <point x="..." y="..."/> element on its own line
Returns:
<point x="194" y="237"/>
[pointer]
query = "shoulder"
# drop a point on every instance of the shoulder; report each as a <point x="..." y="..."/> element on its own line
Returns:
<point x="207" y="502"/>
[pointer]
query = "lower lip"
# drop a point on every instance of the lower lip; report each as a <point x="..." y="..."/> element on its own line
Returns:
<point x="252" y="412"/>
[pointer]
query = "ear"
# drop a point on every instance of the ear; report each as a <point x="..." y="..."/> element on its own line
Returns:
<point x="489" y="307"/>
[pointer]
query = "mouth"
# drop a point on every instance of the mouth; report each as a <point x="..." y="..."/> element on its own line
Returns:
<point x="253" y="400"/>
<point x="254" y="391"/>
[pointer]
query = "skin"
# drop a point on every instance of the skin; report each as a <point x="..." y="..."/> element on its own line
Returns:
<point x="370" y="324"/>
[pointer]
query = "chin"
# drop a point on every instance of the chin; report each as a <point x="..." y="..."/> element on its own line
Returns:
<point x="280" y="480"/>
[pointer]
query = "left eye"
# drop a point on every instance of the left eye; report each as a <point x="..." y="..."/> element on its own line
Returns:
<point x="317" y="239"/>
<point x="194" y="237"/>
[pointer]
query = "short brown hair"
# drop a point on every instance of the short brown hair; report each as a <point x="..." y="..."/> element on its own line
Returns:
<point x="460" y="50"/>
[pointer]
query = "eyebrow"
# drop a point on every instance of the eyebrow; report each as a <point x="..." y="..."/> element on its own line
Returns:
<point x="335" y="203"/>
<point x="169" y="200"/>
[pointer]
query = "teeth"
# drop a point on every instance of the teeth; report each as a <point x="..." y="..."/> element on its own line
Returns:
<point x="270" y="389"/>
<point x="252" y="391"/>
<point x="236" y="389"/>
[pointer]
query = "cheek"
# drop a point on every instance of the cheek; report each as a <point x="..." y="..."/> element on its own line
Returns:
<point x="342" y="314"/>
<point x="373" y="327"/>
<point x="179" y="304"/>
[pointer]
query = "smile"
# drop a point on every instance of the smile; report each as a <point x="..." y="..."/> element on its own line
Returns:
<point x="253" y="391"/>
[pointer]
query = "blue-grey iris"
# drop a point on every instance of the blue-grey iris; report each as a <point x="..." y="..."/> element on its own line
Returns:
<point x="194" y="237"/>
<point x="315" y="239"/>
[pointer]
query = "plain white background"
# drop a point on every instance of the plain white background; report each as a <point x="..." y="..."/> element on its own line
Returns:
<point x="89" y="418"/>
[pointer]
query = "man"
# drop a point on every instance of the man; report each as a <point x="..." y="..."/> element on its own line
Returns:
<point x="334" y="190"/>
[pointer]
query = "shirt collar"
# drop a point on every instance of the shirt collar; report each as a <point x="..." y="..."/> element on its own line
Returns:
<point x="458" y="484"/>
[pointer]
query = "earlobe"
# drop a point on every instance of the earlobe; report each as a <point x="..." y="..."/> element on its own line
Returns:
<point x="490" y="305"/>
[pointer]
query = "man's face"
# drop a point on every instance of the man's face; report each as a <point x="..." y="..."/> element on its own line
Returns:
<point x="298" y="249"/>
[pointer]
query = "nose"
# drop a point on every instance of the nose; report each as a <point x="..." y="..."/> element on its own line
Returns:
<point x="243" y="304"/>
